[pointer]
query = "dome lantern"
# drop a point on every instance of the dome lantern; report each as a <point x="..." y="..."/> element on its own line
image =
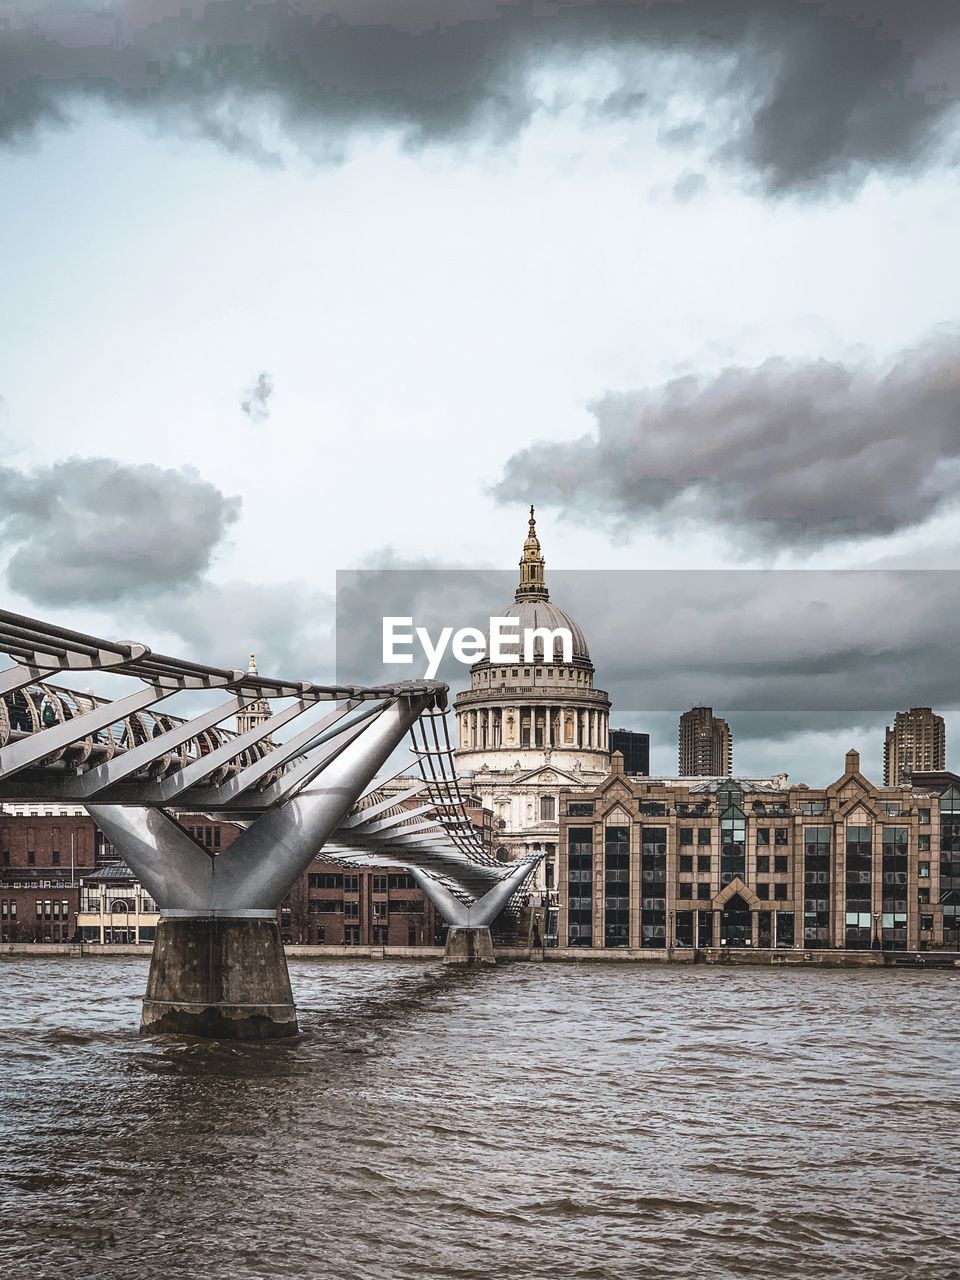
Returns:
<point x="532" y="585"/>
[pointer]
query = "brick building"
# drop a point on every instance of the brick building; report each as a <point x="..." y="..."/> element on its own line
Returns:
<point x="60" y="881"/>
<point x="45" y="851"/>
<point x="363" y="906"/>
<point x="755" y="862"/>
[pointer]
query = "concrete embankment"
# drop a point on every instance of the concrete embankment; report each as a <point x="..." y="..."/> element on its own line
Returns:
<point x="795" y="958"/>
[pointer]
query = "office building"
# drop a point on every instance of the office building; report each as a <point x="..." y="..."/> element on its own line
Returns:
<point x="635" y="749"/>
<point x="756" y="862"/>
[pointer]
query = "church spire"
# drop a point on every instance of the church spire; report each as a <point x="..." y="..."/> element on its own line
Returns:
<point x="532" y="586"/>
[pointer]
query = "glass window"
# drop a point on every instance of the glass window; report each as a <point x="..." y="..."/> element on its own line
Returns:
<point x="763" y="863"/>
<point x="763" y="835"/>
<point x="703" y="862"/>
<point x="733" y="841"/>
<point x="811" y="807"/>
<point x="580" y="809"/>
<point x="923" y="844"/>
<point x="781" y="835"/>
<point x="816" y="876"/>
<point x="923" y="817"/>
<point x="580" y="885"/>
<point x="780" y="892"/>
<point x="686" y="835"/>
<point x="653" y="901"/>
<point x="781" y="863"/>
<point x="923" y="870"/>
<point x="763" y="891"/>
<point x="703" y="891"/>
<point x="703" y="835"/>
<point x="685" y="890"/>
<point x="686" y="862"/>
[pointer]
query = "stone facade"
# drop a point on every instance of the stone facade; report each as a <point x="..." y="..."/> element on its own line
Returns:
<point x="738" y="862"/>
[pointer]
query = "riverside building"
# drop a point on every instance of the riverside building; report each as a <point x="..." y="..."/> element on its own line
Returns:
<point x="746" y="862"/>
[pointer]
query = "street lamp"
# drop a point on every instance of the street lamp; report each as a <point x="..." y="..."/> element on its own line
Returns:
<point x="876" y="931"/>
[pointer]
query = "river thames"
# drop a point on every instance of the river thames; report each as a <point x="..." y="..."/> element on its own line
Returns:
<point x="596" y="1121"/>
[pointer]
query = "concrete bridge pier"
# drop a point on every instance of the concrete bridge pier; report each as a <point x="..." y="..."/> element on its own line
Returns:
<point x="468" y="946"/>
<point x="220" y="977"/>
<point x="218" y="967"/>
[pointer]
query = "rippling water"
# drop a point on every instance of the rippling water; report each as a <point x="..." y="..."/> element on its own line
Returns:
<point x="593" y="1121"/>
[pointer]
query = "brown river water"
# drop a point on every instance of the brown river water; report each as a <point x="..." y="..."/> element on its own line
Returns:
<point x="583" y="1121"/>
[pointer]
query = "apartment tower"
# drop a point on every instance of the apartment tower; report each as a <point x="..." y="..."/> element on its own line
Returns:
<point x="706" y="745"/>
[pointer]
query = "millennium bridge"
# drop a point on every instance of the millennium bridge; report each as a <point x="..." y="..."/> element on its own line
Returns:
<point x="218" y="966"/>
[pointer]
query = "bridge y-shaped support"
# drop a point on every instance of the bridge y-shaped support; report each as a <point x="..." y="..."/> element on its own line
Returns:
<point x="218" y="965"/>
<point x="469" y="940"/>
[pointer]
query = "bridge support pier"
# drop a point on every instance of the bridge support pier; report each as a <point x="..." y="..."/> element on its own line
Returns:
<point x="220" y="977"/>
<point x="468" y="946"/>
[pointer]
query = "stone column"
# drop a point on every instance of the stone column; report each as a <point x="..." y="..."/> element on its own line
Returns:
<point x="754" y="928"/>
<point x="716" y="928"/>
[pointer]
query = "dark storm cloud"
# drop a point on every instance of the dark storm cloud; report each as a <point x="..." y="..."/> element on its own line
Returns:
<point x="784" y="455"/>
<point x="823" y="94"/>
<point x="758" y="641"/>
<point x="798" y="662"/>
<point x="256" y="401"/>
<point x="94" y="531"/>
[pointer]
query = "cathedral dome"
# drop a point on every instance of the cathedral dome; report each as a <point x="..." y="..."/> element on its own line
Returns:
<point x="543" y="613"/>
<point x="521" y="714"/>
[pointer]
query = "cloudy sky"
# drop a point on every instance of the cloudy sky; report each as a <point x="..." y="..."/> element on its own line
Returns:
<point x="287" y="290"/>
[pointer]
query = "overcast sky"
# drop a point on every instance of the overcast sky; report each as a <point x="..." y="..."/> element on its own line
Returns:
<point x="285" y="293"/>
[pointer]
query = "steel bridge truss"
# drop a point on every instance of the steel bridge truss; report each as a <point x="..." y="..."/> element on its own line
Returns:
<point x="131" y="764"/>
